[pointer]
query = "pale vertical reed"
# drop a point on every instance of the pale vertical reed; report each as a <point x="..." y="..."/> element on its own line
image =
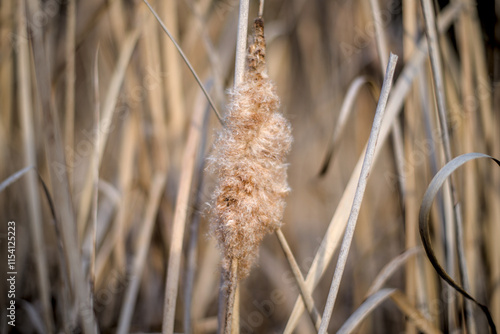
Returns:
<point x="248" y="161"/>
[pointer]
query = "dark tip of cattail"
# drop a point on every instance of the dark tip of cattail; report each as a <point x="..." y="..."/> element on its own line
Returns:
<point x="256" y="60"/>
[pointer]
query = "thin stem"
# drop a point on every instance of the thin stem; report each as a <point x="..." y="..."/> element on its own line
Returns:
<point x="358" y="197"/>
<point x="180" y="216"/>
<point x="144" y="240"/>
<point x="437" y="73"/>
<point x="212" y="104"/>
<point x="304" y="291"/>
<point x="96" y="178"/>
<point x="69" y="126"/>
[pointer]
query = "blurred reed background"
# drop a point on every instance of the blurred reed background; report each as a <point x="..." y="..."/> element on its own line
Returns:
<point x="66" y="64"/>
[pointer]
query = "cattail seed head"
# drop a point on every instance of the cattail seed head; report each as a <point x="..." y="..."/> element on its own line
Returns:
<point x="248" y="161"/>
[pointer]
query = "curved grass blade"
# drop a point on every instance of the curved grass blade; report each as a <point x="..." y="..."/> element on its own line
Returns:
<point x="390" y="268"/>
<point x="436" y="183"/>
<point x="401" y="302"/>
<point x="20" y="173"/>
<point x="345" y="111"/>
<point x="364" y="310"/>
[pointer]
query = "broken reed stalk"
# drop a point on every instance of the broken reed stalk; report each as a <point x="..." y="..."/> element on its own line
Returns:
<point x="248" y="161"/>
<point x="358" y="197"/>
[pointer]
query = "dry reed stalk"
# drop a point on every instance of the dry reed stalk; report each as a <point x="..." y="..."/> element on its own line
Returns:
<point x="151" y="52"/>
<point x="186" y="61"/>
<point x="69" y="94"/>
<point x="116" y="12"/>
<point x="397" y="135"/>
<point x="95" y="168"/>
<point x="173" y="86"/>
<point x="492" y="95"/>
<point x="471" y="208"/>
<point x="29" y="142"/>
<point x="180" y="215"/>
<point x="481" y="77"/>
<point x="144" y="239"/>
<point x="414" y="271"/>
<point x="306" y="296"/>
<point x="7" y="10"/>
<point x="115" y="240"/>
<point x="454" y="233"/>
<point x="60" y="187"/>
<point x="430" y="289"/>
<point x="207" y="281"/>
<point x="202" y="10"/>
<point x="358" y="196"/>
<point x="105" y="123"/>
<point x="493" y="226"/>
<point x="193" y="247"/>
<point x="191" y="264"/>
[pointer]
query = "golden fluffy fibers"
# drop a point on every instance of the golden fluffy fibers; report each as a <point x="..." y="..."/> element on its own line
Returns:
<point x="248" y="161"/>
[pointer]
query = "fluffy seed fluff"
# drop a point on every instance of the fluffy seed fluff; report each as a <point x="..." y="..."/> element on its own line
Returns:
<point x="248" y="161"/>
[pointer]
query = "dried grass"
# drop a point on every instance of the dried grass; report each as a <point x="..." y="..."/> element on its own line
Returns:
<point x="157" y="265"/>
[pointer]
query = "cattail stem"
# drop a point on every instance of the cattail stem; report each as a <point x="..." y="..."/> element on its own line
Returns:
<point x="239" y="73"/>
<point x="231" y="305"/>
